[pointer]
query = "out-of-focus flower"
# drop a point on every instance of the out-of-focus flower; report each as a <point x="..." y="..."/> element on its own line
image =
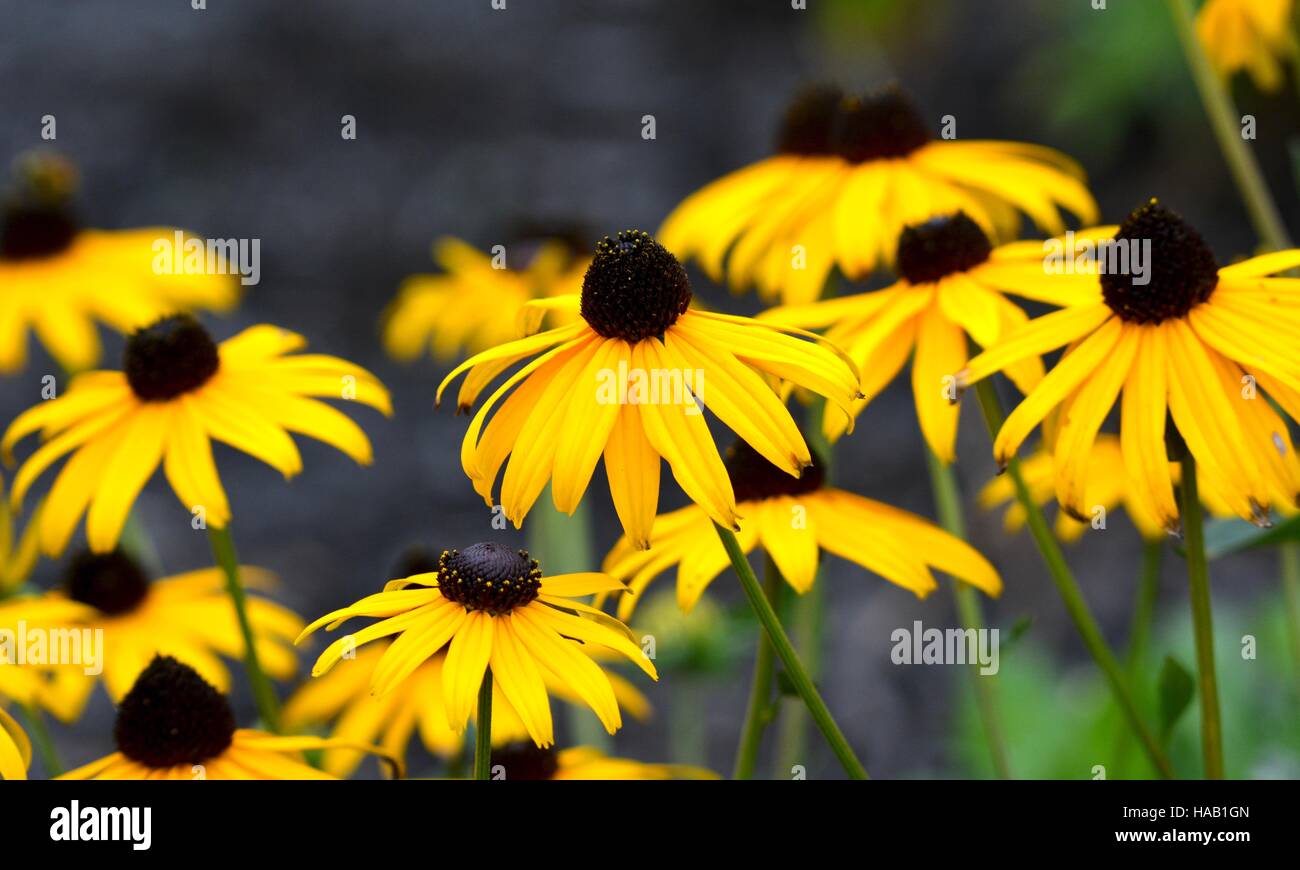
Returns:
<point x="849" y="175"/>
<point x="1252" y="35"/>
<point x="178" y="391"/>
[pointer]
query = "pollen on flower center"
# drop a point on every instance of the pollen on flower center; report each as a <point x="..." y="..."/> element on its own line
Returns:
<point x="634" y="288"/>
<point x="170" y="357"/>
<point x="1181" y="270"/>
<point x="523" y="760"/>
<point x="878" y="126"/>
<point x="172" y="716"/>
<point x="489" y="577"/>
<point x="33" y="232"/>
<point x="941" y="246"/>
<point x="808" y="127"/>
<point x="754" y="478"/>
<point x="112" y="583"/>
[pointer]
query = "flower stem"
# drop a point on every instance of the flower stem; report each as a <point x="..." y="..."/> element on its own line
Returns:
<point x="1068" y="588"/>
<point x="793" y="666"/>
<point x="1198" y="579"/>
<point x="1144" y="609"/>
<point x="809" y="617"/>
<point x="759" y="711"/>
<point x="40" y="734"/>
<point x="1226" y="121"/>
<point x="947" y="498"/>
<point x="223" y="550"/>
<point x="483" y="729"/>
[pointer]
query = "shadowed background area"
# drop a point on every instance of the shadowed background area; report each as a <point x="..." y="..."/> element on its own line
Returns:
<point x="470" y="121"/>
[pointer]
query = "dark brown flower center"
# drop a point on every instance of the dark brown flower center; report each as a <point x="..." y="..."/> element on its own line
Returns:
<point x="1180" y="270"/>
<point x="173" y="356"/>
<point x="112" y="583"/>
<point x="34" y="232"/>
<point x="940" y="247"/>
<point x="808" y="127"/>
<point x="523" y="760"/>
<point x="823" y="120"/>
<point x="634" y="288"/>
<point x="489" y="577"/>
<point x="173" y="716"/>
<point x="754" y="478"/>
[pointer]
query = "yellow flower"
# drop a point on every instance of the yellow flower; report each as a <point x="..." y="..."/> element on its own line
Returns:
<point x="1188" y="341"/>
<point x="627" y="380"/>
<point x="18" y="554"/>
<point x="490" y="606"/>
<point x="850" y="174"/>
<point x="416" y="704"/>
<point x="472" y="305"/>
<point x="179" y="391"/>
<point x="793" y="521"/>
<point x="58" y="279"/>
<point x="524" y="761"/>
<point x="1108" y="487"/>
<point x="1252" y="35"/>
<point x="187" y="616"/>
<point x="950" y="293"/>
<point x="15" y="749"/>
<point x="174" y="725"/>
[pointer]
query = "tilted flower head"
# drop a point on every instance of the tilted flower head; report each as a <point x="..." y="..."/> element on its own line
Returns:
<point x="179" y="390"/>
<point x="525" y="761"/>
<point x="174" y="725"/>
<point x="793" y="521"/>
<point x="950" y="293"/>
<point x="1181" y="339"/>
<point x="59" y="279"/>
<point x="471" y="304"/>
<point x="15" y="749"/>
<point x="187" y="616"/>
<point x="343" y="697"/>
<point x="490" y="606"/>
<point x="627" y="380"/>
<point x="1252" y="35"/>
<point x="849" y="175"/>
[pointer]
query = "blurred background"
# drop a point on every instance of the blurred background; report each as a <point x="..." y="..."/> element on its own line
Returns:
<point x="472" y="121"/>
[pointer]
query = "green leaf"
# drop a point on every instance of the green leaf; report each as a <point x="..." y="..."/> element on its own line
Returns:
<point x="1176" y="690"/>
<point x="1226" y="536"/>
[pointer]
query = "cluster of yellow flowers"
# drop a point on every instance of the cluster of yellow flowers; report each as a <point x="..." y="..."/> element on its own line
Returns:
<point x="1149" y="318"/>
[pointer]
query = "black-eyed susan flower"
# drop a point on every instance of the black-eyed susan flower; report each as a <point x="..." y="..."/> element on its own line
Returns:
<point x="417" y="704"/>
<point x="18" y="551"/>
<point x="526" y="761"/>
<point x="1253" y="35"/>
<point x="175" y="725"/>
<point x="177" y="392"/>
<point x="627" y="380"/>
<point x="1182" y="339"/>
<point x="58" y="279"/>
<point x="490" y="607"/>
<point x="849" y="175"/>
<point x="471" y="305"/>
<point x="15" y="748"/>
<point x="950" y="293"/>
<point x="794" y="521"/>
<point x="186" y="616"/>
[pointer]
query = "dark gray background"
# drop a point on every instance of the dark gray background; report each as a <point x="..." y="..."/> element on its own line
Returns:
<point x="226" y="121"/>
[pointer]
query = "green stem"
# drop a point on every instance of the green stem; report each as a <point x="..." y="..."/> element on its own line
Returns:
<point x="759" y="711"/>
<point x="483" y="729"/>
<point x="1226" y="121"/>
<point x="41" y="739"/>
<point x="947" y="498"/>
<point x="1198" y="580"/>
<point x="223" y="550"/>
<point x="1068" y="588"/>
<point x="793" y="666"/>
<point x="1144" y="609"/>
<point x="809" y="617"/>
<point x="1290" y="555"/>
